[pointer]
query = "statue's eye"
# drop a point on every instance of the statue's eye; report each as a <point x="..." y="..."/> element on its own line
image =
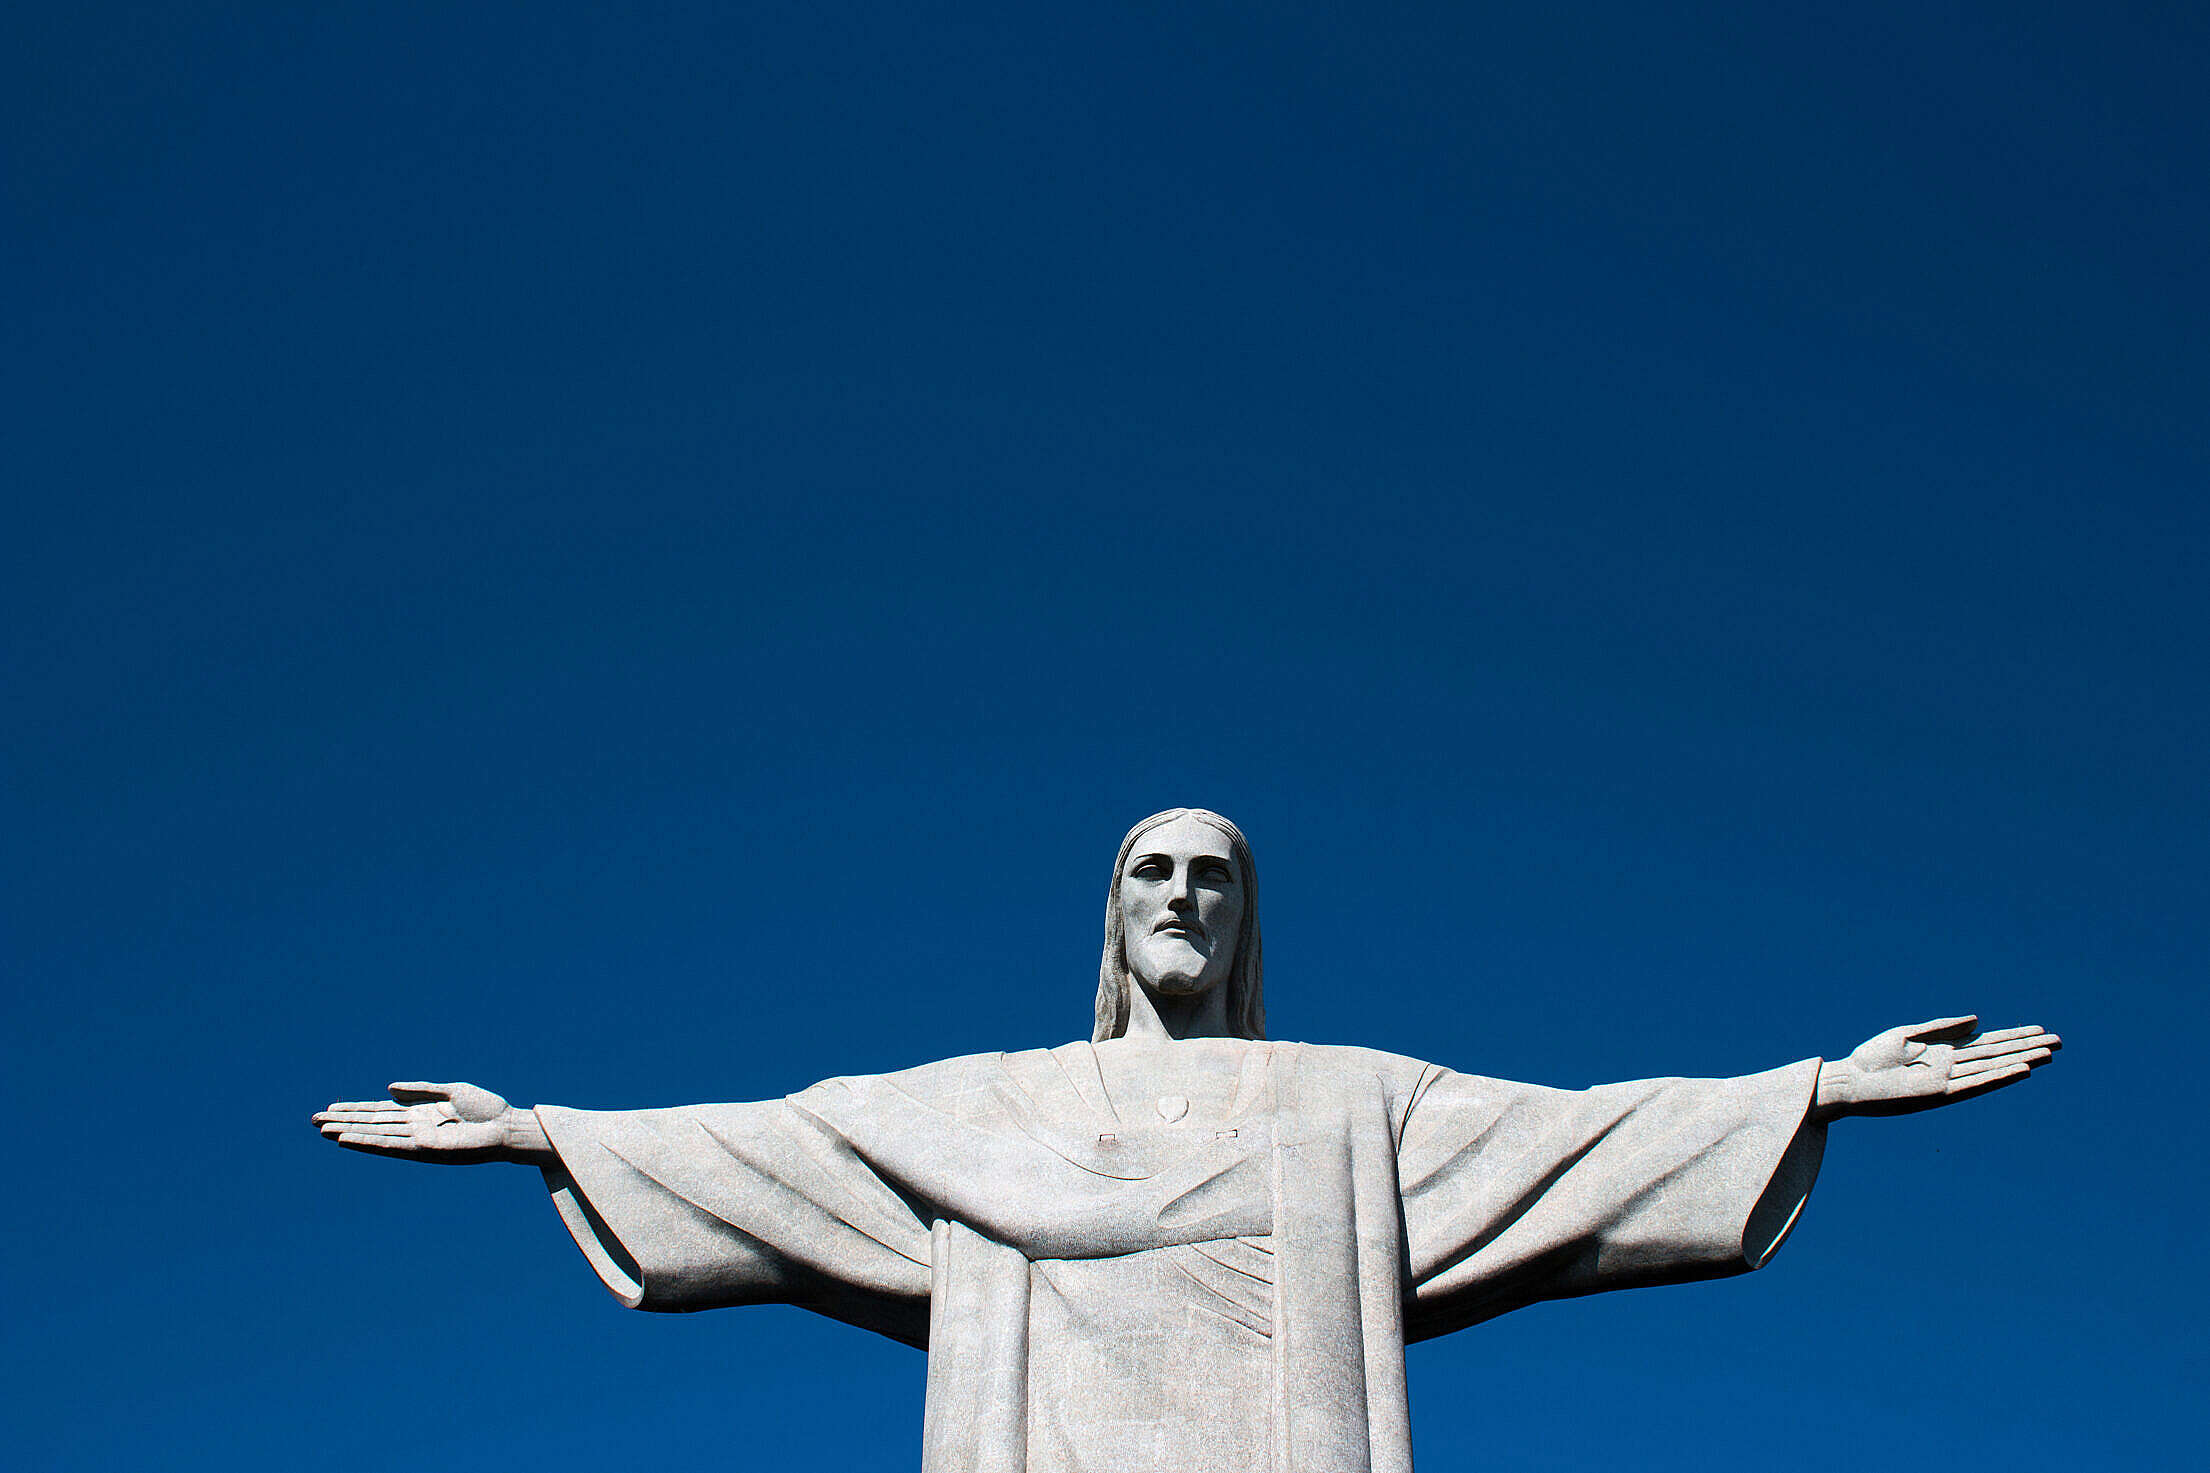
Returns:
<point x="1150" y="869"/>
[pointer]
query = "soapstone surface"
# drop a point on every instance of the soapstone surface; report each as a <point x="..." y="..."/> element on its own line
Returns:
<point x="1178" y="1245"/>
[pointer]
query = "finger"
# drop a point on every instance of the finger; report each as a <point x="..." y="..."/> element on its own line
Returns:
<point x="2007" y="1054"/>
<point x="418" y="1092"/>
<point x="1933" y="1027"/>
<point x="375" y="1146"/>
<point x="2024" y="1042"/>
<point x="1990" y="1066"/>
<point x="365" y="1105"/>
<point x="384" y="1132"/>
<point x="2024" y="1045"/>
<point x="387" y="1113"/>
<point x="1997" y="1035"/>
<point x="363" y="1125"/>
<point x="1993" y="1079"/>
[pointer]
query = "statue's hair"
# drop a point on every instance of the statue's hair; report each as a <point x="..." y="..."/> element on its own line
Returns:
<point x="1245" y="996"/>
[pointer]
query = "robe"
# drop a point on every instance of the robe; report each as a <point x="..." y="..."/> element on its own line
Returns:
<point x="1101" y="1291"/>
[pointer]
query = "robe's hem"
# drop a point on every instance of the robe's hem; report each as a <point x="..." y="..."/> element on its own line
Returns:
<point x="602" y="1247"/>
<point x="1779" y="1207"/>
<point x="598" y="1247"/>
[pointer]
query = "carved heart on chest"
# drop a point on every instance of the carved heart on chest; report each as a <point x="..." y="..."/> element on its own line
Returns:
<point x="1172" y="1108"/>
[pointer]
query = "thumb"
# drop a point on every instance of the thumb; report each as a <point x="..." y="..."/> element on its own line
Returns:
<point x="474" y="1102"/>
<point x="420" y="1093"/>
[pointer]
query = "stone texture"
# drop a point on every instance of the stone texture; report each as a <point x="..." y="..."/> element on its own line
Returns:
<point x="1177" y="1245"/>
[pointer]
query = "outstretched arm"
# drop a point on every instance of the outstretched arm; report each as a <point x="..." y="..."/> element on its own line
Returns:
<point x="450" y="1124"/>
<point x="1923" y="1065"/>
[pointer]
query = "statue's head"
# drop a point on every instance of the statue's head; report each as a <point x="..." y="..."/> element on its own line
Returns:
<point x="1181" y="918"/>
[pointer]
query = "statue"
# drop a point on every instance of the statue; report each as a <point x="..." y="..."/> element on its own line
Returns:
<point x="1177" y="1245"/>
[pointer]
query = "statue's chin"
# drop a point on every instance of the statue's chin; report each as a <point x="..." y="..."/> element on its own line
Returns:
<point x="1178" y="985"/>
<point x="1172" y="968"/>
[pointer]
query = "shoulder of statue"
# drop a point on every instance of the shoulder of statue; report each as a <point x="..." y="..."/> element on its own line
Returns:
<point x="1397" y="1072"/>
<point x="922" y="1080"/>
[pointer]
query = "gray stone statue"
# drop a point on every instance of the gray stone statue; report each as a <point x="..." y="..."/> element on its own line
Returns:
<point x="1180" y="1246"/>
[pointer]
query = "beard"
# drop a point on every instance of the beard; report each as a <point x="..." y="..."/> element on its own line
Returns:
<point x="1179" y="983"/>
<point x="1173" y="970"/>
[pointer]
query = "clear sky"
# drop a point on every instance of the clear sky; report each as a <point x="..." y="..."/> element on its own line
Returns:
<point x="642" y="554"/>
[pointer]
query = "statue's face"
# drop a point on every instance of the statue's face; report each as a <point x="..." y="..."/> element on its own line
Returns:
<point x="1181" y="906"/>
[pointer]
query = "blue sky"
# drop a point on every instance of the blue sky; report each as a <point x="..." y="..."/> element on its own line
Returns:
<point x="646" y="557"/>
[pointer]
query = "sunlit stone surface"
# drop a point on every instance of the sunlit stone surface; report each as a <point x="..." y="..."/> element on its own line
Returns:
<point x="1179" y="1246"/>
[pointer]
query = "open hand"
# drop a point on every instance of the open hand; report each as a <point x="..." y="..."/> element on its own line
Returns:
<point x="452" y="1124"/>
<point x="1923" y="1065"/>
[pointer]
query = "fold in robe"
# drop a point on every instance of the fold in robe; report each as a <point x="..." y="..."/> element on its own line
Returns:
<point x="997" y="1212"/>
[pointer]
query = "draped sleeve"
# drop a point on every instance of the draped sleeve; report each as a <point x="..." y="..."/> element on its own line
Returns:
<point x="1514" y="1193"/>
<point x="827" y="1199"/>
<point x="707" y="1206"/>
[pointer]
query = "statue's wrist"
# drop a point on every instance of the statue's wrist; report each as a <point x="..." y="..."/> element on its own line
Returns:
<point x="1837" y="1091"/>
<point x="525" y="1136"/>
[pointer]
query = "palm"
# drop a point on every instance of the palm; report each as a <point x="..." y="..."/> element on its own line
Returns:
<point x="449" y="1123"/>
<point x="1923" y="1065"/>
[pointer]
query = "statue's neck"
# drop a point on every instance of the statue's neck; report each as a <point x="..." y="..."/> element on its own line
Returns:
<point x="1158" y="1018"/>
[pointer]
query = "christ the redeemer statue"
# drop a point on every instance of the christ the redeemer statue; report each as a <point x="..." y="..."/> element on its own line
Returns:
<point x="1179" y="1246"/>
